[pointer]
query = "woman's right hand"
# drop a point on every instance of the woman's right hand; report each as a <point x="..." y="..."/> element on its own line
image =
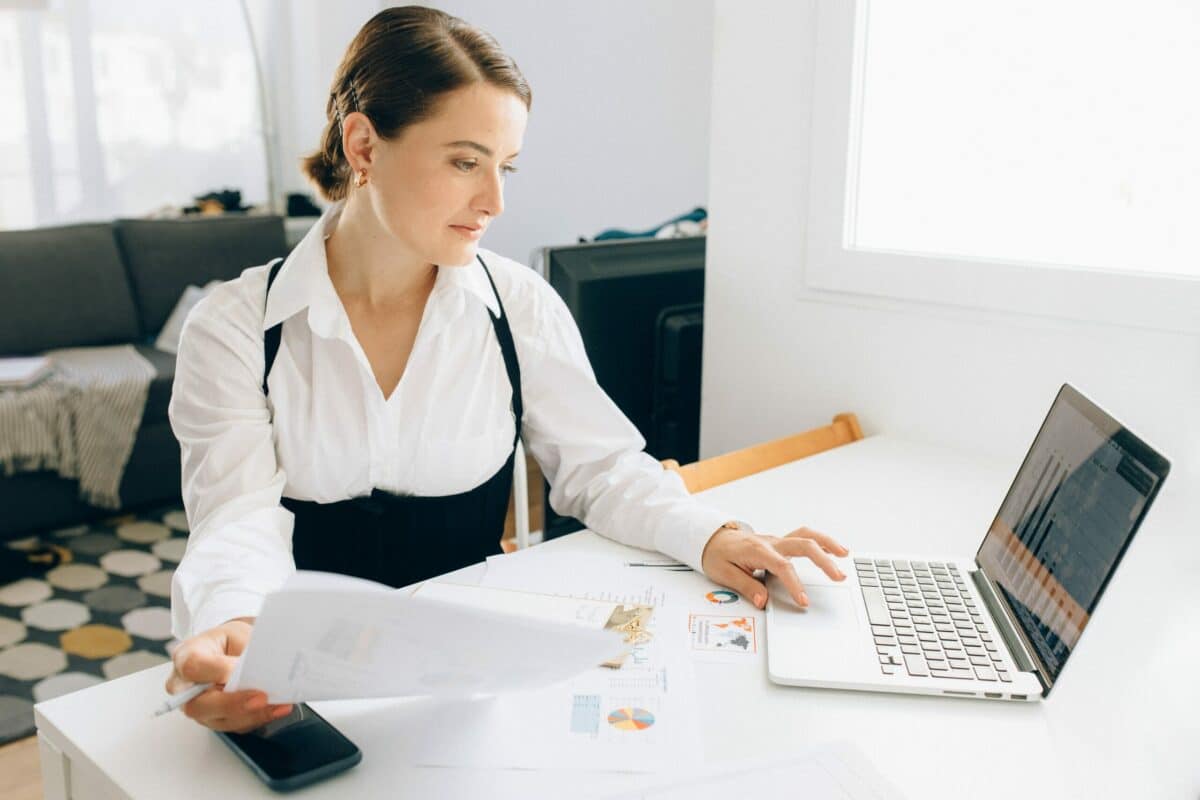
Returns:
<point x="209" y="657"/>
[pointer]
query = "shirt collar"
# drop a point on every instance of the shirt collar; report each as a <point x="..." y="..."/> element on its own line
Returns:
<point x="303" y="283"/>
<point x="469" y="280"/>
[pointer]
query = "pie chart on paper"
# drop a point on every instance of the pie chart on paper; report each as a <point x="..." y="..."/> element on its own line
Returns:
<point x="630" y="719"/>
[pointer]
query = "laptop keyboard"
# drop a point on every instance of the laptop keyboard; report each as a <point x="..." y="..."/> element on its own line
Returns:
<point x="925" y="622"/>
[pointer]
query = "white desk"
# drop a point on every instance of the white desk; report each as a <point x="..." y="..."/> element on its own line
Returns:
<point x="1121" y="722"/>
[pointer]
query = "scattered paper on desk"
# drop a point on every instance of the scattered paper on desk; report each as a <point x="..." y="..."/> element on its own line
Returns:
<point x="630" y="620"/>
<point x="838" y="771"/>
<point x="632" y="719"/>
<point x="548" y="607"/>
<point x="701" y="600"/>
<point x="329" y="637"/>
<point x="573" y="575"/>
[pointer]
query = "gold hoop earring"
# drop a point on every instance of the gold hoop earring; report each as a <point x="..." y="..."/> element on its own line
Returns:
<point x="361" y="180"/>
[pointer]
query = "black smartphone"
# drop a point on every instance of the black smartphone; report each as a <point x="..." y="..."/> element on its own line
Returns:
<point x="293" y="751"/>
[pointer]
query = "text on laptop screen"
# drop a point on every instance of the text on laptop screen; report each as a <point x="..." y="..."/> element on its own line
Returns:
<point x="1065" y="523"/>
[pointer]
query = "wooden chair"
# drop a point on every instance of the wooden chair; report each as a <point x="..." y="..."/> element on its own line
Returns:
<point x="697" y="477"/>
<point x="714" y="471"/>
<point x="524" y="507"/>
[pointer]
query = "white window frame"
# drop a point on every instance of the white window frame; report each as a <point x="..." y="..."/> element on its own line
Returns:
<point x="1155" y="301"/>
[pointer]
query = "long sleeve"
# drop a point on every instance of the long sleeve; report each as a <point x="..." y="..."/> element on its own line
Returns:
<point x="591" y="453"/>
<point x="239" y="548"/>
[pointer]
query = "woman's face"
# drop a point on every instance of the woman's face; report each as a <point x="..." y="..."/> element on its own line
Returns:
<point x="446" y="172"/>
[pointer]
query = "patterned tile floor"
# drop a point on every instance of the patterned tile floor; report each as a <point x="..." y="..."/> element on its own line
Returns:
<point x="103" y="614"/>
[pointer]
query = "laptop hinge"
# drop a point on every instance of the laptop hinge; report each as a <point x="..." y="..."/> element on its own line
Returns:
<point x="1007" y="627"/>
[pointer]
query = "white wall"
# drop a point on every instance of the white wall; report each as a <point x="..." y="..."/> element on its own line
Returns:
<point x="779" y="358"/>
<point x="302" y="42"/>
<point x="618" y="135"/>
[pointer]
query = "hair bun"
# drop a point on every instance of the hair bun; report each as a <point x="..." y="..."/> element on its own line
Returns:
<point x="394" y="70"/>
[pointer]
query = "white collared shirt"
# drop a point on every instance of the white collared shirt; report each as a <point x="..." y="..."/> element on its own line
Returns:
<point x="328" y="434"/>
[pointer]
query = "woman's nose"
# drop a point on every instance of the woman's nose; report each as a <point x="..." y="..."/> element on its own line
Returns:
<point x="491" y="199"/>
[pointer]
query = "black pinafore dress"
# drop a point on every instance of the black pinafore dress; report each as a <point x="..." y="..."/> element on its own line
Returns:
<point x="401" y="539"/>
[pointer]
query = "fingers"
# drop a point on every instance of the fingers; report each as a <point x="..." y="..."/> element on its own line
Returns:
<point x="729" y="574"/>
<point x="219" y="703"/>
<point x="827" y="543"/>
<point x="176" y="683"/>
<point x="250" y="722"/>
<point x="732" y="561"/>
<point x="234" y="711"/>
<point x="189" y="669"/>
<point x="782" y="568"/>
<point x="812" y="550"/>
<point x="208" y="657"/>
<point x="198" y="666"/>
<point x="235" y="635"/>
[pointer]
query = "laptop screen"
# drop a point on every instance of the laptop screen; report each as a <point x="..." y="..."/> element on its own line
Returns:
<point x="1071" y="512"/>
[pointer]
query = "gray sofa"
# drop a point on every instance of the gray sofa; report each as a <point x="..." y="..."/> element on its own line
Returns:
<point x="104" y="284"/>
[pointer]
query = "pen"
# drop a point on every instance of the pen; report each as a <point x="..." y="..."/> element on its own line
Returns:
<point x="182" y="699"/>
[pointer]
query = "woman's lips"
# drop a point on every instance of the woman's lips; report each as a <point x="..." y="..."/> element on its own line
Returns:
<point x="468" y="233"/>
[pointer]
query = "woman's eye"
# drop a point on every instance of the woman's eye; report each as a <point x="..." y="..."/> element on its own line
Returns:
<point x="467" y="166"/>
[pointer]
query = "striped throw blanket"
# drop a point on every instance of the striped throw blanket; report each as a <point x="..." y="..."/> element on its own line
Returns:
<point x="80" y="420"/>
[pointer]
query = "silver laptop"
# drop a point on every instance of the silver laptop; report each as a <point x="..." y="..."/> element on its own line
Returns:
<point x="1000" y="626"/>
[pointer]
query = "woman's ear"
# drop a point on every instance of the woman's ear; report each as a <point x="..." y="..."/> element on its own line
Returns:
<point x="358" y="140"/>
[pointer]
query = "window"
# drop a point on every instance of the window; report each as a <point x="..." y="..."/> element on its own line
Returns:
<point x="16" y="162"/>
<point x="119" y="107"/>
<point x="1020" y="156"/>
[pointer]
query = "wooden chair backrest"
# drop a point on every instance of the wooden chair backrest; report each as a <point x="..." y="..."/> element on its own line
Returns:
<point x="705" y="474"/>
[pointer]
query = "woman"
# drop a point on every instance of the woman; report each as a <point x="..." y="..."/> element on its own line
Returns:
<point x="355" y="408"/>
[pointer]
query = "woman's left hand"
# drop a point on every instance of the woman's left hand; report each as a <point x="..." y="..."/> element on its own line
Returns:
<point x="733" y="554"/>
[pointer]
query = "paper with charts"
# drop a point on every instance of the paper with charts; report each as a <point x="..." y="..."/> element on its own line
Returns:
<point x="330" y="637"/>
<point x="633" y="719"/>
<point x="723" y="634"/>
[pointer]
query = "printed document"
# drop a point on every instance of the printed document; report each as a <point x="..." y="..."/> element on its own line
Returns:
<point x="333" y="637"/>
<point x="631" y="719"/>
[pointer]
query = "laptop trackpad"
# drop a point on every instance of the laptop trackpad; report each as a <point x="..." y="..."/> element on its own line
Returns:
<point x="825" y="632"/>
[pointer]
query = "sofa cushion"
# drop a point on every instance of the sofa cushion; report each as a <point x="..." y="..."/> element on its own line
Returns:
<point x="63" y="287"/>
<point x="36" y="501"/>
<point x="159" y="396"/>
<point x="165" y="255"/>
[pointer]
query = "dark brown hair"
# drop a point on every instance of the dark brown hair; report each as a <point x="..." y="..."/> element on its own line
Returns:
<point x="395" y="70"/>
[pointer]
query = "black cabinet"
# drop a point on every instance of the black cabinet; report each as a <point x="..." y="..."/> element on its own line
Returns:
<point x="639" y="304"/>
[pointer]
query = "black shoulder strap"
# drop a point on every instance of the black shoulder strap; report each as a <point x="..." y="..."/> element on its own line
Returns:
<point x="509" y="350"/>
<point x="272" y="335"/>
